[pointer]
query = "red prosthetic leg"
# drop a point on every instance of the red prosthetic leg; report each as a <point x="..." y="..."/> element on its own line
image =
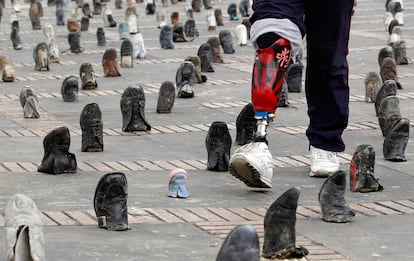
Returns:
<point x="269" y="71"/>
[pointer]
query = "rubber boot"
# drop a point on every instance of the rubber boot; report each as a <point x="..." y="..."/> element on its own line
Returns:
<point x="361" y="170"/>
<point x="84" y="24"/>
<point x="166" y="97"/>
<point x="241" y="244"/>
<point x="92" y="128"/>
<point x="332" y="199"/>
<point x="389" y="88"/>
<point x="245" y="125"/>
<point x="218" y="145"/>
<point x="241" y="35"/>
<point x="396" y="141"/>
<point x="279" y="228"/>
<point x="110" y="202"/>
<point x="388" y="113"/>
<point x="132" y="108"/>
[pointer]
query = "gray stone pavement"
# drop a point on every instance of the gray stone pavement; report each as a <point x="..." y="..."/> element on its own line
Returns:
<point x="163" y="228"/>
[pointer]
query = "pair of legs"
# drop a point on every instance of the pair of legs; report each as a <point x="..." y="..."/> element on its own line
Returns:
<point x="326" y="25"/>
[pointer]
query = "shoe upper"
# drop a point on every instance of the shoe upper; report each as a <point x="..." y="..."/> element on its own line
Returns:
<point x="323" y="161"/>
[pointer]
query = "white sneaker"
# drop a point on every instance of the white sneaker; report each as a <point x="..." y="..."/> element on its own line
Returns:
<point x="323" y="163"/>
<point x="252" y="164"/>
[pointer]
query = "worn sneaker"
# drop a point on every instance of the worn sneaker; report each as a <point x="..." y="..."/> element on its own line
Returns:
<point x="323" y="163"/>
<point x="252" y="164"/>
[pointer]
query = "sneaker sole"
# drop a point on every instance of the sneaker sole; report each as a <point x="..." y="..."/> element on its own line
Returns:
<point x="320" y="174"/>
<point x="245" y="172"/>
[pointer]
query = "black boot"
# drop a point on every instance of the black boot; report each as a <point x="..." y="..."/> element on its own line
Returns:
<point x="126" y="54"/>
<point x="29" y="102"/>
<point x="388" y="113"/>
<point x="110" y="202"/>
<point x="294" y="77"/>
<point x="15" y="36"/>
<point x="245" y="125"/>
<point x="196" y="5"/>
<point x="279" y="228"/>
<point x="100" y="34"/>
<point x="361" y="170"/>
<point x="87" y="77"/>
<point x="166" y="97"/>
<point x="244" y="8"/>
<point x="166" y="37"/>
<point x="132" y="108"/>
<point x="184" y="80"/>
<point x="226" y="41"/>
<point x="332" y="199"/>
<point x="57" y="158"/>
<point x="84" y="24"/>
<point x="206" y="57"/>
<point x="389" y="88"/>
<point x="92" y="128"/>
<point x="396" y="141"/>
<point x="74" y="42"/>
<point x="241" y="244"/>
<point x="218" y="145"/>
<point x="70" y="88"/>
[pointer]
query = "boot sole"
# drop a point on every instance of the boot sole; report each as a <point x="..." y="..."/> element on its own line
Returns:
<point x="247" y="173"/>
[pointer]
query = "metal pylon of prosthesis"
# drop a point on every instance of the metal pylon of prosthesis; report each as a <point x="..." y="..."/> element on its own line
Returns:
<point x="263" y="120"/>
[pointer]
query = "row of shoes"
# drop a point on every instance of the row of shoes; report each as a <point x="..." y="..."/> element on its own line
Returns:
<point x="24" y="226"/>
